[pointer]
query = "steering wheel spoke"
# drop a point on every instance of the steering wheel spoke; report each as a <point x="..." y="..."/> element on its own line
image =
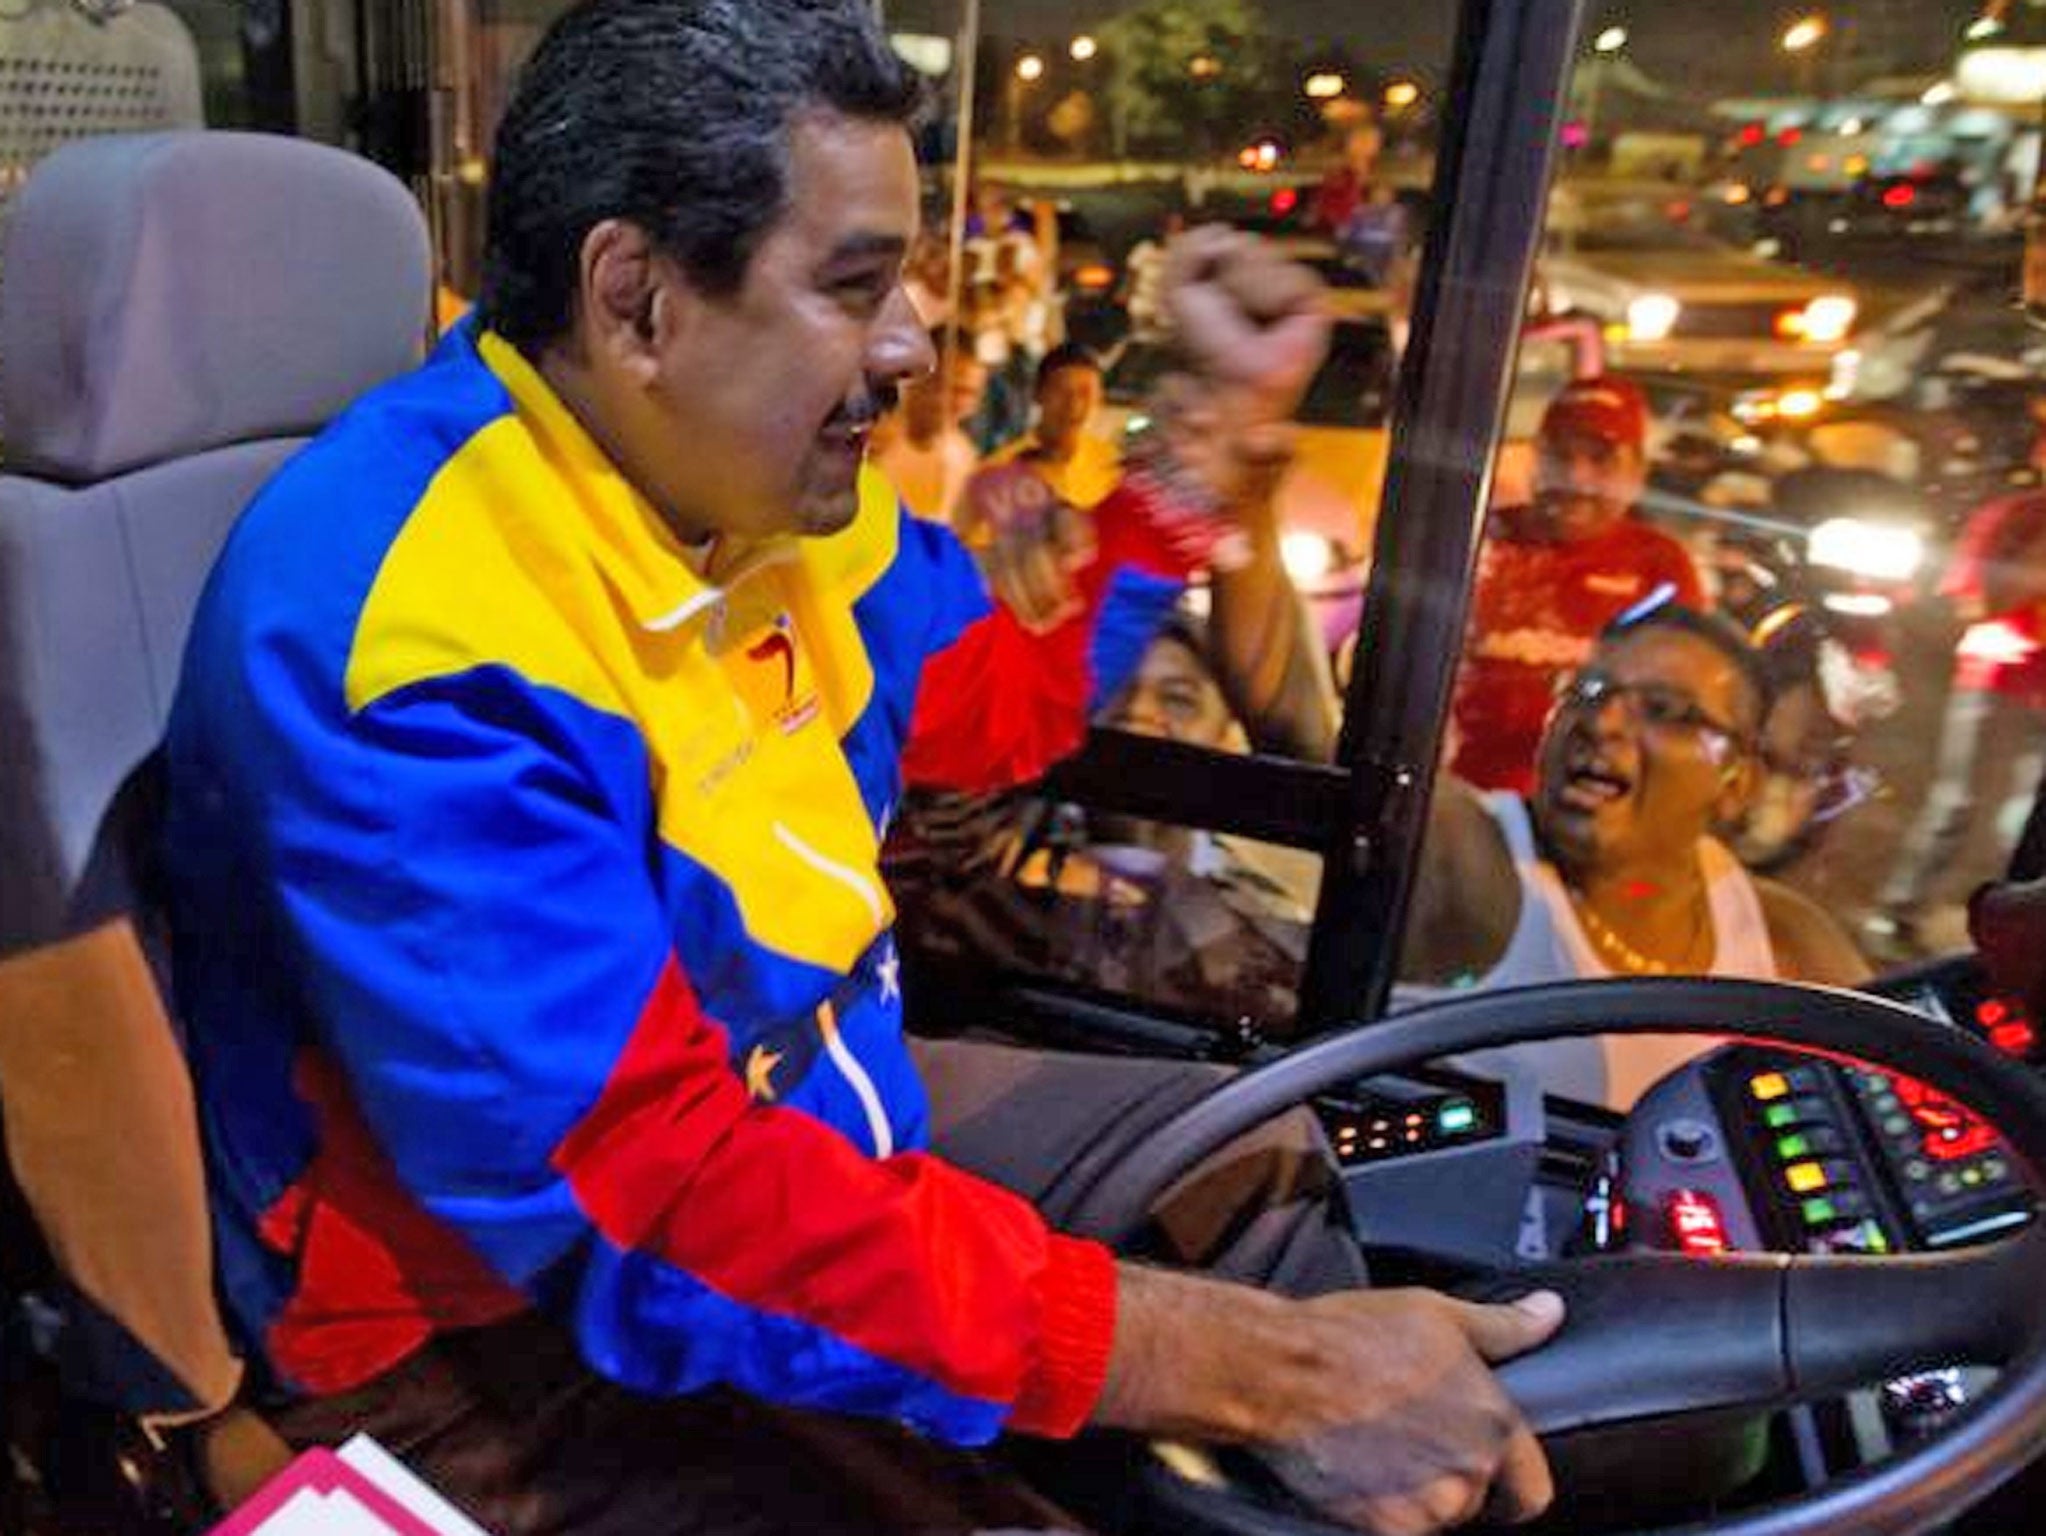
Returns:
<point x="1655" y="1334"/>
<point x="1848" y="1322"/>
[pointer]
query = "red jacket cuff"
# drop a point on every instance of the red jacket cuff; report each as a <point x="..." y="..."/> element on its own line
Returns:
<point x="1075" y="1334"/>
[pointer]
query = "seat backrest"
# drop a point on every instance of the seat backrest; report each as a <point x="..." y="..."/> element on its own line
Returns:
<point x="179" y="312"/>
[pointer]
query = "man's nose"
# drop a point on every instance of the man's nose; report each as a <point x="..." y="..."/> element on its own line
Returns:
<point x="1141" y="716"/>
<point x="1580" y="468"/>
<point x="899" y="347"/>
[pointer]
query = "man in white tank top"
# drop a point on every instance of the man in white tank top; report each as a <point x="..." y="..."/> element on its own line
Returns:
<point x="1612" y="868"/>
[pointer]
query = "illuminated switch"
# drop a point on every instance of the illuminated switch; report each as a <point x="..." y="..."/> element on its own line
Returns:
<point x="1805" y="1178"/>
<point x="2014" y="1038"/>
<point x="1819" y="1211"/>
<point x="1812" y="1141"/>
<point x="1767" y="1086"/>
<point x="1789" y="1114"/>
<point x="1455" y="1118"/>
<point x="1695" y="1226"/>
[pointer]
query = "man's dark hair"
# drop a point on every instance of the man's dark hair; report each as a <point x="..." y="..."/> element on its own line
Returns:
<point x="1659" y="611"/>
<point x="1069" y="355"/>
<point x="674" y="114"/>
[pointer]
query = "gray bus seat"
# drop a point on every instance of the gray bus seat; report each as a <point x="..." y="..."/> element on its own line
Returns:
<point x="179" y="312"/>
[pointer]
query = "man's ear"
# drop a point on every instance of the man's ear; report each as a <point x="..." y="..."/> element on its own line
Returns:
<point x="1740" y="780"/>
<point x="626" y="297"/>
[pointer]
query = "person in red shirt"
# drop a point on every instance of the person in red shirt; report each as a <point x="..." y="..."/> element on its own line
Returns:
<point x="1347" y="187"/>
<point x="1554" y="573"/>
<point x="1994" y="727"/>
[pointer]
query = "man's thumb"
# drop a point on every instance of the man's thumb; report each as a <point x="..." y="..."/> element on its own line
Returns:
<point x="1499" y="1332"/>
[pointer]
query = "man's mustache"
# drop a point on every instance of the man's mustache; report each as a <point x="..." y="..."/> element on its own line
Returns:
<point x="867" y="409"/>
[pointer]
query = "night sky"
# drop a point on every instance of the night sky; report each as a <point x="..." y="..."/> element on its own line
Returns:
<point x="1722" y="43"/>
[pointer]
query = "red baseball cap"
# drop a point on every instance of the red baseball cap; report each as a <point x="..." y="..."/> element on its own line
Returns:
<point x="1608" y="410"/>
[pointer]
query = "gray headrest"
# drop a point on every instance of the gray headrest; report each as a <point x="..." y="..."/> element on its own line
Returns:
<point x="162" y="294"/>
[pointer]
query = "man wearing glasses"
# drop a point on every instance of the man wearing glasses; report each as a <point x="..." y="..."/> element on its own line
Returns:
<point x="1611" y="866"/>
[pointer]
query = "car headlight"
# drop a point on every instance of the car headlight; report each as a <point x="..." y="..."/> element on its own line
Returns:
<point x="1309" y="556"/>
<point x="1877" y="551"/>
<point x="1799" y="404"/>
<point x="1652" y="317"/>
<point x="1828" y="319"/>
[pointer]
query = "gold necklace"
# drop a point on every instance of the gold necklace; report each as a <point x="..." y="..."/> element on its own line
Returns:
<point x="1616" y="950"/>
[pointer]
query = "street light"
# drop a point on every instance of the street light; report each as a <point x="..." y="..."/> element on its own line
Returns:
<point x="1801" y="40"/>
<point x="1204" y="66"/>
<point x="1326" y="86"/>
<point x="1029" y="70"/>
<point x="1804" y="34"/>
<point x="1402" y="94"/>
<point x="1083" y="49"/>
<point x="1605" y="49"/>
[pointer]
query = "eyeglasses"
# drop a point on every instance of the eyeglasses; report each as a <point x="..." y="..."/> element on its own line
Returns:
<point x="1656" y="707"/>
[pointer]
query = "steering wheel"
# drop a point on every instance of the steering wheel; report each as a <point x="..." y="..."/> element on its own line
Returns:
<point x="1754" y="1330"/>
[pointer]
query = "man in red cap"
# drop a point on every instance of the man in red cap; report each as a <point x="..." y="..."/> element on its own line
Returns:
<point x="1553" y="574"/>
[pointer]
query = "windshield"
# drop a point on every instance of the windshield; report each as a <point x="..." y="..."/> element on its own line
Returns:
<point x="1895" y="761"/>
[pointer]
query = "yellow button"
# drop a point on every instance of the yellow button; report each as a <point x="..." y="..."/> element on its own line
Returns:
<point x="1805" y="1178"/>
<point x="1768" y="1085"/>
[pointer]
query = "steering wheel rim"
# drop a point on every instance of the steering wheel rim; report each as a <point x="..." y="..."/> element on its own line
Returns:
<point x="1899" y="1496"/>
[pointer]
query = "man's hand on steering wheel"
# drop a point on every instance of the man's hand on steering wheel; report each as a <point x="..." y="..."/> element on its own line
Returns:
<point x="1373" y="1406"/>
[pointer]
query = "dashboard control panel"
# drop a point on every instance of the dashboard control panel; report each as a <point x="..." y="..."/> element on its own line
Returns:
<point x="1797" y="1153"/>
<point x="1391" y="1118"/>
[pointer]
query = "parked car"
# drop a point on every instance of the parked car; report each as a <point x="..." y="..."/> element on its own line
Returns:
<point x="1919" y="205"/>
<point x="1672" y="298"/>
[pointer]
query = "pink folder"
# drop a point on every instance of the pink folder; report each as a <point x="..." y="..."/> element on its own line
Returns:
<point x="290" y="1501"/>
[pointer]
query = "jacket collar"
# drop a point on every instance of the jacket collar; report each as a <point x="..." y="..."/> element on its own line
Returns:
<point x="665" y="583"/>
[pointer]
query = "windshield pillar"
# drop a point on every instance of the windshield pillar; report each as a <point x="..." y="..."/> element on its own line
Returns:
<point x="1501" y="127"/>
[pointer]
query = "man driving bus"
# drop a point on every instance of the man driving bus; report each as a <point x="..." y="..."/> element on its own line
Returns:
<point x="1611" y="867"/>
<point x="527" y="773"/>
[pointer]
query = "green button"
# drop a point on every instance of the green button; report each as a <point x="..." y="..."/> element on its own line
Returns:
<point x="1777" y="1116"/>
<point x="1818" y="1212"/>
<point x="1455" y="1118"/>
<point x="1791" y="1148"/>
